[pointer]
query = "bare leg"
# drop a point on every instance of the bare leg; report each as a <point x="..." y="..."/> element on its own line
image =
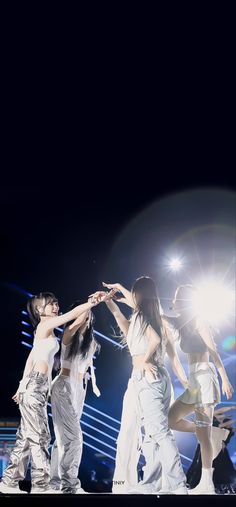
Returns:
<point x="204" y="417"/>
<point x="176" y="413"/>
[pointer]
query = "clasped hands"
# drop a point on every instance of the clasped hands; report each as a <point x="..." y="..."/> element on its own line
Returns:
<point x="103" y="296"/>
<point x="143" y="365"/>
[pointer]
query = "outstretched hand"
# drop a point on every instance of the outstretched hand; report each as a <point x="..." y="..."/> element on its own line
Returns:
<point x="101" y="296"/>
<point x="115" y="286"/>
<point x="95" y="298"/>
<point x="16" y="397"/>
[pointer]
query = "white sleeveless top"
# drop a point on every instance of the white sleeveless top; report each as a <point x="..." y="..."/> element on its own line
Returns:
<point x="45" y="350"/>
<point x="138" y="342"/>
<point x="78" y="365"/>
<point x="82" y="363"/>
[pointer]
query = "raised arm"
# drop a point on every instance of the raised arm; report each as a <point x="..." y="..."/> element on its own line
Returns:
<point x="71" y="330"/>
<point x="121" y="320"/>
<point x="206" y="335"/>
<point x="53" y="322"/>
<point x="174" y="357"/>
<point x="127" y="299"/>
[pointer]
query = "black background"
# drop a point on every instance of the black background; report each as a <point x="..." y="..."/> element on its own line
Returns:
<point x="93" y="131"/>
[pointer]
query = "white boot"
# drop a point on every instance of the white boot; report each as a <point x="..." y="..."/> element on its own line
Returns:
<point x="182" y="490"/>
<point x="80" y="491"/>
<point x="217" y="436"/>
<point x="206" y="485"/>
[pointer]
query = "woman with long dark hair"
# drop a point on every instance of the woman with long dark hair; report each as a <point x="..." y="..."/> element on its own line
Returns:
<point x="147" y="399"/>
<point x="78" y="347"/>
<point x="203" y="392"/>
<point x="33" y="436"/>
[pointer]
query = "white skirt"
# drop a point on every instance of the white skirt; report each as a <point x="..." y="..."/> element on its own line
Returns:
<point x="203" y="383"/>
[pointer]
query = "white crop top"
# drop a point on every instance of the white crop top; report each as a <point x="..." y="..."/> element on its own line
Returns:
<point x="82" y="364"/>
<point x="45" y="350"/>
<point x="138" y="342"/>
<point x="78" y="365"/>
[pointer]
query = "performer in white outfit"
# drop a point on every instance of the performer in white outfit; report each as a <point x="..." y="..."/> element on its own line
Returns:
<point x="68" y="395"/>
<point x="147" y="399"/>
<point x="203" y="391"/>
<point x="33" y="436"/>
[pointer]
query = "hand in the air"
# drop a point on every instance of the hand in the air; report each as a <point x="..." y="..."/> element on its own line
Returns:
<point x="115" y="286"/>
<point x="100" y="296"/>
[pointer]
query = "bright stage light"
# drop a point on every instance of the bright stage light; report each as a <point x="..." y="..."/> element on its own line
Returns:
<point x="175" y="264"/>
<point x="229" y="343"/>
<point x="213" y="302"/>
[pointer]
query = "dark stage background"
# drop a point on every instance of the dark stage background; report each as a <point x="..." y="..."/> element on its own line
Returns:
<point x="68" y="233"/>
<point x="106" y="132"/>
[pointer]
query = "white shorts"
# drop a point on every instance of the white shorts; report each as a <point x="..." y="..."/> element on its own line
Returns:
<point x="204" y="388"/>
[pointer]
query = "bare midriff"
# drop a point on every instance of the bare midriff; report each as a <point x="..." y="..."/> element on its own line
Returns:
<point x="136" y="360"/>
<point x="41" y="367"/>
<point x="66" y="372"/>
<point x="200" y="357"/>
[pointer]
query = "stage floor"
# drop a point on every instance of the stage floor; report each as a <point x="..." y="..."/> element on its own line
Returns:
<point x="111" y="499"/>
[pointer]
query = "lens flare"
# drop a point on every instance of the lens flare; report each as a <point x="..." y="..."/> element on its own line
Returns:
<point x="175" y="264"/>
<point x="229" y="343"/>
<point x="213" y="302"/>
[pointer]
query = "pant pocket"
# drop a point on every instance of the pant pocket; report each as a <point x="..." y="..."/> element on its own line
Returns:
<point x="38" y="380"/>
<point x="152" y="380"/>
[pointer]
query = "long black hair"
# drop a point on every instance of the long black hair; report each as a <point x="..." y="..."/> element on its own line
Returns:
<point x="81" y="343"/>
<point x="147" y="305"/>
<point x="34" y="302"/>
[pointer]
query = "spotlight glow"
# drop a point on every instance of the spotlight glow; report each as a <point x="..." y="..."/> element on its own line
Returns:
<point x="175" y="264"/>
<point x="229" y="343"/>
<point x="213" y="302"/>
